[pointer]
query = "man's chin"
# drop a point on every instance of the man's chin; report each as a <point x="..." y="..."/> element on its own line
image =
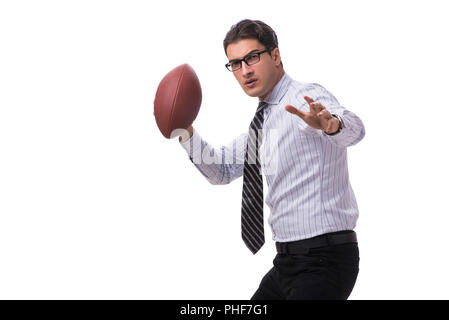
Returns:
<point x="253" y="93"/>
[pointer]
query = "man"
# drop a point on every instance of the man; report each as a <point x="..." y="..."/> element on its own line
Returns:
<point x="313" y="208"/>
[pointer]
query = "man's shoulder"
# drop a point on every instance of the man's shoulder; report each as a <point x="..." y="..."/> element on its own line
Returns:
<point x="305" y="86"/>
<point x="299" y="89"/>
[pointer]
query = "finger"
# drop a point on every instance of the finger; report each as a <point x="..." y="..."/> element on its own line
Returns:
<point x="293" y="110"/>
<point x="308" y="99"/>
<point x="316" y="107"/>
<point x="325" y="114"/>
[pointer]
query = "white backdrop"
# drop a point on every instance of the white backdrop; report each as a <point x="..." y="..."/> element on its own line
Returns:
<point x="96" y="204"/>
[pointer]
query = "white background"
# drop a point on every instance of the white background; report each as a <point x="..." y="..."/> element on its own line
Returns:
<point x="96" y="204"/>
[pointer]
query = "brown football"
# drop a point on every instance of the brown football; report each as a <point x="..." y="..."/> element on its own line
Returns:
<point x="177" y="101"/>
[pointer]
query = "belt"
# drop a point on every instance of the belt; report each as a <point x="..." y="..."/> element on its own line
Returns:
<point x="328" y="239"/>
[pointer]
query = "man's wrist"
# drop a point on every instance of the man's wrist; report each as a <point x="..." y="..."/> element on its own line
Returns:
<point x="340" y="125"/>
<point x="187" y="134"/>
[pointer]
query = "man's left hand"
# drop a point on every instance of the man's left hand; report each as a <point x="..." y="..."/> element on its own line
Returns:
<point x="318" y="117"/>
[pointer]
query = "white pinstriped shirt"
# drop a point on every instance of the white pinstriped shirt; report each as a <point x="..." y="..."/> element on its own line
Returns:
<point x="306" y="171"/>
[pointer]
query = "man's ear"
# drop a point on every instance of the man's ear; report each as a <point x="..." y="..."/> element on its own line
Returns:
<point x="277" y="56"/>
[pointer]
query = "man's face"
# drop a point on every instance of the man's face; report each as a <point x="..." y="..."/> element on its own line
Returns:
<point x="258" y="79"/>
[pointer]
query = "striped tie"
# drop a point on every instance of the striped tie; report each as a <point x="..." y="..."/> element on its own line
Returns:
<point x="252" y="196"/>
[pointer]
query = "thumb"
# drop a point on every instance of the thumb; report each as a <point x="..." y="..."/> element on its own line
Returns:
<point x="293" y="110"/>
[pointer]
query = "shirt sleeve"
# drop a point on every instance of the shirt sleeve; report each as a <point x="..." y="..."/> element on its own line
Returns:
<point x="218" y="166"/>
<point x="353" y="129"/>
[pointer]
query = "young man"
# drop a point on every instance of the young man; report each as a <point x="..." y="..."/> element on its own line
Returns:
<point x="302" y="132"/>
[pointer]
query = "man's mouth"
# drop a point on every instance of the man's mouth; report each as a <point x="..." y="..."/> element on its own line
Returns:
<point x="250" y="83"/>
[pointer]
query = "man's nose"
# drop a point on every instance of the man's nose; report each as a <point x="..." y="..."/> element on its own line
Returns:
<point x="246" y="70"/>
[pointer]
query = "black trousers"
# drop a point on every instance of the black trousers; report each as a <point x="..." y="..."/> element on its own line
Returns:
<point x="321" y="273"/>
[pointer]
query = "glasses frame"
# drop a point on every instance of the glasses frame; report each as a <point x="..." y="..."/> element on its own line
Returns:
<point x="228" y="65"/>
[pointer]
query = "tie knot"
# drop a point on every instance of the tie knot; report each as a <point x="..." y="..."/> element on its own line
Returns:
<point x="261" y="106"/>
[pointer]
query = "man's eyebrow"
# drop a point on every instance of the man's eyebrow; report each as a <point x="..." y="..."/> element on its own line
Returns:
<point x="255" y="50"/>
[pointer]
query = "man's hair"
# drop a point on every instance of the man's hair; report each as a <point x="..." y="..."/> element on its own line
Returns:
<point x="252" y="29"/>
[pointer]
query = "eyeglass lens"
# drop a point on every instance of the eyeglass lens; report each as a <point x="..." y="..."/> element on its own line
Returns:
<point x="250" y="60"/>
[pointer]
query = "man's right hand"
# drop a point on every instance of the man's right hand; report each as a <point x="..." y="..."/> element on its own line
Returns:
<point x="186" y="136"/>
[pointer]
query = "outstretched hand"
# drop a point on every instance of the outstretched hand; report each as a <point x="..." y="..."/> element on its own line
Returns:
<point x="318" y="117"/>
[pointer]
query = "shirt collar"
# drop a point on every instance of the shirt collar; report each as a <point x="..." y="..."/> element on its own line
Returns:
<point x="279" y="90"/>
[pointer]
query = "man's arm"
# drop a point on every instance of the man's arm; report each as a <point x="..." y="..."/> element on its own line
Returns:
<point x="352" y="128"/>
<point x="219" y="166"/>
<point x="340" y="126"/>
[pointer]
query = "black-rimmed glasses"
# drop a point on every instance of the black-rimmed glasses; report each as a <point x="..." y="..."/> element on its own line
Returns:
<point x="250" y="59"/>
